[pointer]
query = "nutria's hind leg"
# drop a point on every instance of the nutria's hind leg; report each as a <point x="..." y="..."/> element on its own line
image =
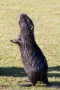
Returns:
<point x="33" y="82"/>
<point x="32" y="78"/>
<point x="28" y="85"/>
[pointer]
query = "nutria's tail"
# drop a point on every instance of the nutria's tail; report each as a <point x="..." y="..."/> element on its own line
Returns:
<point x="52" y="85"/>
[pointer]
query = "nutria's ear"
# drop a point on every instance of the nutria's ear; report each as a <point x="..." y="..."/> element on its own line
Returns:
<point x="14" y="41"/>
<point x="32" y="28"/>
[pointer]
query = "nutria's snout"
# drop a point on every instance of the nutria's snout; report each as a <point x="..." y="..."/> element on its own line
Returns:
<point x="25" y="23"/>
<point x="22" y="15"/>
<point x="22" y="18"/>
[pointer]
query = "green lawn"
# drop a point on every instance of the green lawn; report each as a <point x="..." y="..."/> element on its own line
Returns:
<point x="46" y="17"/>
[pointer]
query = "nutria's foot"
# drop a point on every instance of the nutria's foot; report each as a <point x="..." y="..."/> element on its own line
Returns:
<point x="26" y="85"/>
<point x="26" y="80"/>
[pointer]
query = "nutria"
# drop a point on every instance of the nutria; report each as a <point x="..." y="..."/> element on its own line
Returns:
<point x="34" y="61"/>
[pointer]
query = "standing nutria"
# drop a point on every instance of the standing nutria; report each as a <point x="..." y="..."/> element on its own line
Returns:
<point x="34" y="61"/>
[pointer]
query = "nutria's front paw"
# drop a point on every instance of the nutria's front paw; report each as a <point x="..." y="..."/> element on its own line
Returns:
<point x="14" y="41"/>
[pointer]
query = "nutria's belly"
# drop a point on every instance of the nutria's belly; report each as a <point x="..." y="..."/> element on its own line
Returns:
<point x="33" y="63"/>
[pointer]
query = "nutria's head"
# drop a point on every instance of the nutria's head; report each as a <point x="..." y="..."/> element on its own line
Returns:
<point x="25" y="23"/>
<point x="27" y="29"/>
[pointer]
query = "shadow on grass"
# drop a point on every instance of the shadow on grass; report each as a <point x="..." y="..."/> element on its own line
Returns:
<point x="19" y="72"/>
<point x="12" y="71"/>
<point x="54" y="75"/>
<point x="57" y="69"/>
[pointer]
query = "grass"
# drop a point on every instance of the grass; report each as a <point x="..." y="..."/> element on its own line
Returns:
<point x="46" y="17"/>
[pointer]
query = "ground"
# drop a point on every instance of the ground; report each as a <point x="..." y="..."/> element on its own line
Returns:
<point x="46" y="17"/>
